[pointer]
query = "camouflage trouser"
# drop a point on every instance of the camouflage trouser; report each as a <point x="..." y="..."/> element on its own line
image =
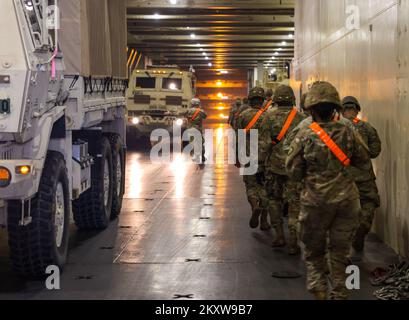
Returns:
<point x="338" y="224"/>
<point x="292" y="193"/>
<point x="280" y="190"/>
<point x="370" y="201"/>
<point x="256" y="194"/>
<point x="192" y="141"/>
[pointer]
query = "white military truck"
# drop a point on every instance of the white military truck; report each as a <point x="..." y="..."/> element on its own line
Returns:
<point x="61" y="141"/>
<point x="158" y="98"/>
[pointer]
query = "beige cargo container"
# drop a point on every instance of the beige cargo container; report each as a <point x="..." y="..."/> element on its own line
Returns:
<point x="93" y="37"/>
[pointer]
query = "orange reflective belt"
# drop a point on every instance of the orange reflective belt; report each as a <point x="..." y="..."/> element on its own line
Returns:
<point x="330" y="144"/>
<point x="257" y="117"/>
<point x="286" y="126"/>
<point x="357" y="120"/>
<point x="195" y="114"/>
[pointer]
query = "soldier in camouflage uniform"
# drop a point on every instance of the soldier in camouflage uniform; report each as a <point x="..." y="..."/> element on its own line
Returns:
<point x="256" y="194"/>
<point x="234" y="109"/>
<point x="278" y="122"/>
<point x="195" y="117"/>
<point x="365" y="180"/>
<point x="243" y="108"/>
<point x="330" y="198"/>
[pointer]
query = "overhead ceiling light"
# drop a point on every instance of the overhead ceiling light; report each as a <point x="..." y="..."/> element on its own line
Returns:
<point x="201" y="49"/>
<point x="204" y="53"/>
<point x="276" y="53"/>
<point x="157" y="16"/>
<point x="224" y="71"/>
<point x="210" y="64"/>
<point x="173" y="1"/>
<point x="207" y="58"/>
<point x="291" y="36"/>
<point x="193" y="36"/>
<point x="283" y="43"/>
<point x="280" y="49"/>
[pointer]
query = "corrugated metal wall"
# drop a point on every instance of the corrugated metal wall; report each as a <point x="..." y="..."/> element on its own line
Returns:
<point x="371" y="63"/>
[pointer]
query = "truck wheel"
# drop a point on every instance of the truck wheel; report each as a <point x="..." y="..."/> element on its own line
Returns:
<point x="44" y="241"/>
<point x="93" y="209"/>
<point x="118" y="162"/>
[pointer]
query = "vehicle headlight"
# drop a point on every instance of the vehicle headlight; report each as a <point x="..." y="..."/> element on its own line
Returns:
<point x="5" y="177"/>
<point x="179" y="122"/>
<point x="135" y="120"/>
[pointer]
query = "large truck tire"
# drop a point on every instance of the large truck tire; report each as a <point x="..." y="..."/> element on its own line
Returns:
<point x="43" y="242"/>
<point x="118" y="162"/>
<point x="92" y="211"/>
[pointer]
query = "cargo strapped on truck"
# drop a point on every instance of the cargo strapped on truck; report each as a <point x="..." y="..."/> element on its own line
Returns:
<point x="286" y="127"/>
<point x="257" y="116"/>
<point x="320" y="132"/>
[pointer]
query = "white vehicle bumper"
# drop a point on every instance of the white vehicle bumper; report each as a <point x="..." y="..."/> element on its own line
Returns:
<point x="21" y="186"/>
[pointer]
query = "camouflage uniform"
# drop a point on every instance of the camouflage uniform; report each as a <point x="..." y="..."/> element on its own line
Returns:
<point x="365" y="180"/>
<point x="256" y="194"/>
<point x="279" y="188"/>
<point x="330" y="198"/>
<point x="243" y="108"/>
<point x="234" y="109"/>
<point x="197" y="123"/>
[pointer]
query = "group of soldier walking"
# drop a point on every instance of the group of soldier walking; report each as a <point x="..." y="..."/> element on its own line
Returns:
<point x="314" y="165"/>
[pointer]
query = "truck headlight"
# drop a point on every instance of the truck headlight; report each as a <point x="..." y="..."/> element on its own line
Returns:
<point x="179" y="122"/>
<point x="5" y="177"/>
<point x="23" y="170"/>
<point x="135" y="120"/>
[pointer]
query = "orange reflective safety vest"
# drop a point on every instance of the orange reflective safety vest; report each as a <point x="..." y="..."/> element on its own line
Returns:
<point x="286" y="126"/>
<point x="357" y="120"/>
<point x="330" y="144"/>
<point x="257" y="117"/>
<point x="197" y="112"/>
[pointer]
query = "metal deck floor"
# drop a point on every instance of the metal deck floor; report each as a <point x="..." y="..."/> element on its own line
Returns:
<point x="173" y="213"/>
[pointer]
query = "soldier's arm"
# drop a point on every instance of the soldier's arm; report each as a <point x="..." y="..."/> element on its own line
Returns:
<point x="264" y="140"/>
<point x="360" y="158"/>
<point x="296" y="165"/>
<point x="291" y="135"/>
<point x="374" y="142"/>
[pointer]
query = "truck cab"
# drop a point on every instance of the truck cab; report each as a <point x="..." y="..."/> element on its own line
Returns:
<point x="158" y="98"/>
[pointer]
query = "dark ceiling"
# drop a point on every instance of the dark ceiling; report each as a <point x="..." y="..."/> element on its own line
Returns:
<point x="232" y="34"/>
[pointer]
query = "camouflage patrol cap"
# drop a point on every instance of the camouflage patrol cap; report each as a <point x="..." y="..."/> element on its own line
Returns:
<point x="351" y="101"/>
<point x="284" y="95"/>
<point x="322" y="92"/>
<point x="257" y="92"/>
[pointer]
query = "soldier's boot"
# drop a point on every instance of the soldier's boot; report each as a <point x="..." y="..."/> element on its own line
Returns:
<point x="279" y="240"/>
<point x="256" y="213"/>
<point x="264" y="225"/>
<point x="293" y="247"/>
<point x="320" y="295"/>
<point x="360" y="236"/>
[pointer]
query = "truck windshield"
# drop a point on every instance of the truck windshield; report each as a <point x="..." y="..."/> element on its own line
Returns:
<point x="146" y="83"/>
<point x="172" y="84"/>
